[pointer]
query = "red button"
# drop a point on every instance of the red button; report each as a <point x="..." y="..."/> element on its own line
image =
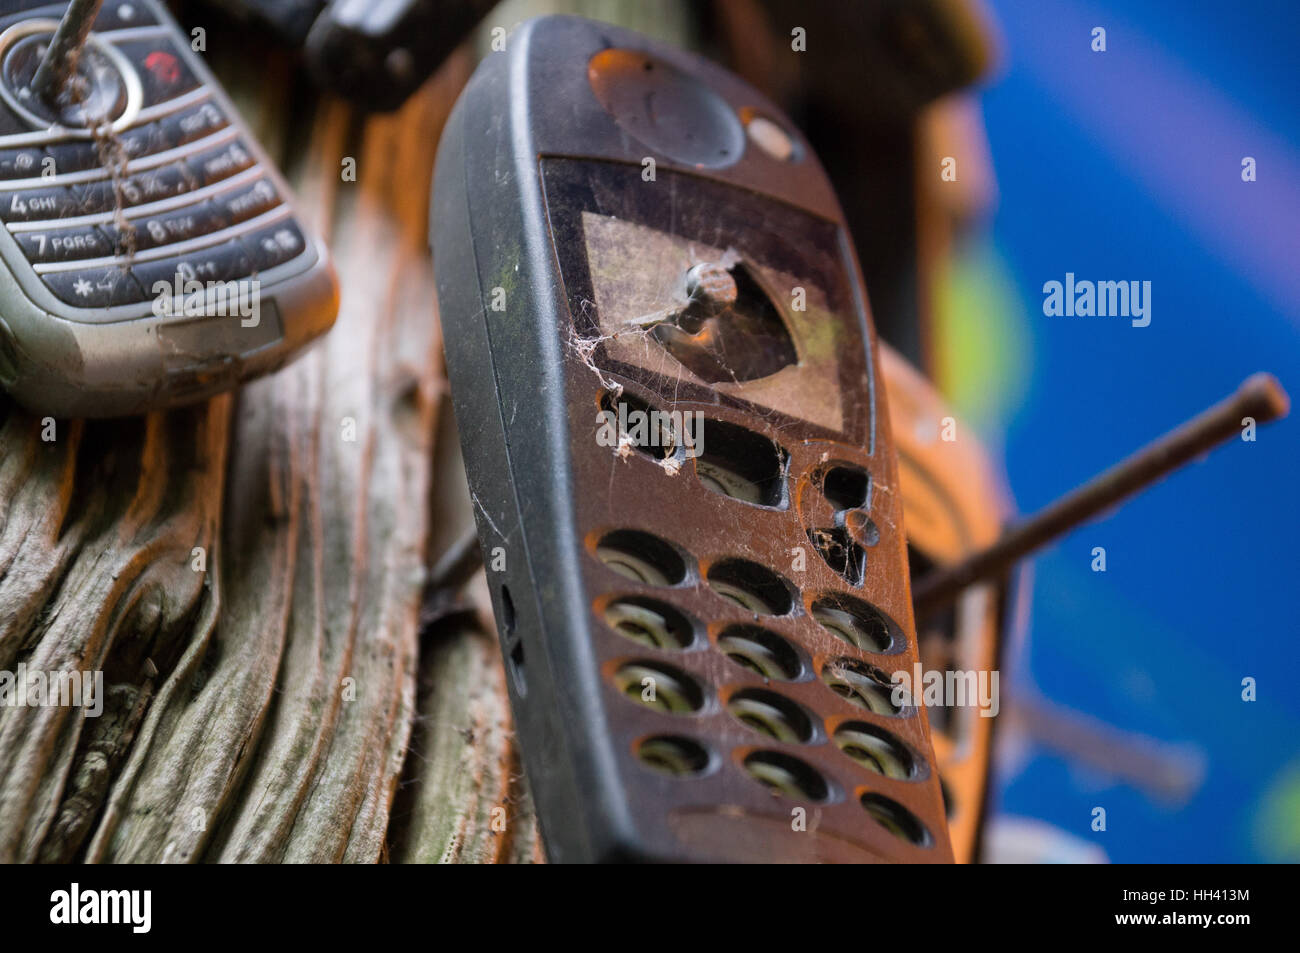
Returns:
<point x="163" y="67"/>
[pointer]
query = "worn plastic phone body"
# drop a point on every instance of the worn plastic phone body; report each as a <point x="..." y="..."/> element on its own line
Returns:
<point x="95" y="229"/>
<point x="954" y="505"/>
<point x="699" y="613"/>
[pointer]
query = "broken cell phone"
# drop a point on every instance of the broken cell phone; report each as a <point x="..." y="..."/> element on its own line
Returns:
<point x="663" y="370"/>
<point x="152" y="253"/>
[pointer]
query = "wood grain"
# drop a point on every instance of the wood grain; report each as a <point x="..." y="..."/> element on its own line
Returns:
<point x="247" y="573"/>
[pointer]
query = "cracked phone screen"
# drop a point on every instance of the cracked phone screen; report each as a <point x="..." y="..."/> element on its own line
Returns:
<point x="702" y="290"/>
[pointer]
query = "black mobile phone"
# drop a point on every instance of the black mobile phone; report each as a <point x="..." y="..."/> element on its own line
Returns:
<point x="664" y="375"/>
<point x="151" y="252"/>
<point x="373" y="54"/>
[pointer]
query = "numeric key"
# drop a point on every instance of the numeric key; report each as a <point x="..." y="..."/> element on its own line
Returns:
<point x="38" y="205"/>
<point x="217" y="164"/>
<point x="241" y="205"/>
<point x="66" y="244"/>
<point x="218" y="263"/>
<point x="193" y="124"/>
<point x="169" y="227"/>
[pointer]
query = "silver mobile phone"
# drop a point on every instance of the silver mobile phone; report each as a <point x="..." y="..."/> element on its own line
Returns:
<point x="151" y="252"/>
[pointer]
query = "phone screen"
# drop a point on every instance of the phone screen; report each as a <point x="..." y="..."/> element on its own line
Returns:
<point x="781" y="335"/>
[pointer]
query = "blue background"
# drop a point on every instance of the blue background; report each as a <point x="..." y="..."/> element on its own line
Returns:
<point x="1127" y="165"/>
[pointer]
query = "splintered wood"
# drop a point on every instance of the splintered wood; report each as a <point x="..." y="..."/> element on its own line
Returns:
<point x="247" y="575"/>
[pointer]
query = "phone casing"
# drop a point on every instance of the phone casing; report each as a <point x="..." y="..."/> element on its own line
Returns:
<point x="617" y="223"/>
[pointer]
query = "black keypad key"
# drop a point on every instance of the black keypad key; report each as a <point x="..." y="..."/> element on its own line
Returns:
<point x="95" y="287"/>
<point x="65" y="244"/>
<point x="147" y="140"/>
<point x="192" y="124"/>
<point x="79" y="156"/>
<point x="10" y="124"/>
<point x="275" y="244"/>
<point x="219" y="263"/>
<point x="136" y="143"/>
<point x="221" y="163"/>
<point x="36" y="205"/>
<point x="123" y="15"/>
<point x="243" y="204"/>
<point x="92" y="198"/>
<point x="155" y="185"/>
<point x="163" y="72"/>
<point x="169" y="228"/>
<point x="25" y="163"/>
<point x="140" y="189"/>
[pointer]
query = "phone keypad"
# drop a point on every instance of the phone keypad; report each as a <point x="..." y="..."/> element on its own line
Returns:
<point x="770" y="668"/>
<point x="189" y="199"/>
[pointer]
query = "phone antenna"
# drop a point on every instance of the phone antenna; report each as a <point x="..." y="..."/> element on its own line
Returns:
<point x="59" y="63"/>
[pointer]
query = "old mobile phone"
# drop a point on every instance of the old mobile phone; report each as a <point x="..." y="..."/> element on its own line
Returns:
<point x="152" y="252"/>
<point x="374" y="54"/>
<point x="664" y="375"/>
